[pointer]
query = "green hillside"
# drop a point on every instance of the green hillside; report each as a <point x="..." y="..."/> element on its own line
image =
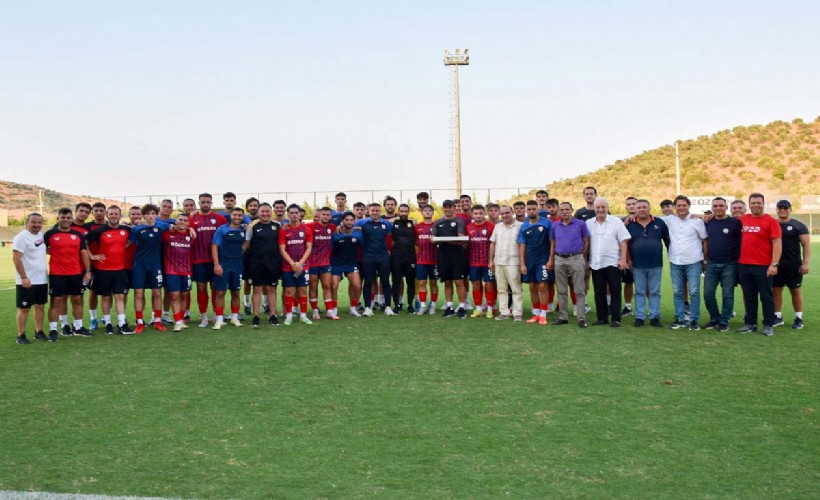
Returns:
<point x="776" y="159"/>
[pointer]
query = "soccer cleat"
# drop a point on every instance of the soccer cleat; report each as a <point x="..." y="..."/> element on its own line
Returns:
<point x="236" y="322"/>
<point x="747" y="329"/>
<point x="398" y="308"/>
<point x="388" y="311"/>
<point x="461" y="313"/>
<point x="355" y="313"/>
<point x="710" y="325"/>
<point x="109" y="329"/>
<point x="477" y="313"/>
<point x="93" y="325"/>
<point x="543" y="321"/>
<point x="23" y="340"/>
<point x="67" y="331"/>
<point x="534" y="319"/>
<point x="316" y="315"/>
<point x="798" y="324"/>
<point x="42" y="336"/>
<point x="305" y="320"/>
<point x="448" y="312"/>
<point x="626" y="312"/>
<point x="255" y="323"/>
<point x="676" y="325"/>
<point x="219" y="322"/>
<point x="288" y="320"/>
<point x="587" y="308"/>
<point x="778" y="321"/>
<point x="167" y="319"/>
<point x="52" y="336"/>
<point x="655" y="323"/>
<point x="273" y="320"/>
<point x="158" y="326"/>
<point x="204" y="322"/>
<point x="140" y="328"/>
<point x="82" y="332"/>
<point x="422" y="310"/>
<point x="694" y="326"/>
<point x="247" y="310"/>
<point x="368" y="312"/>
<point x="638" y="322"/>
<point x="124" y="329"/>
<point x="723" y="328"/>
<point x="768" y="330"/>
<point x="432" y="310"/>
<point x="489" y="313"/>
<point x="178" y="326"/>
<point x="469" y="306"/>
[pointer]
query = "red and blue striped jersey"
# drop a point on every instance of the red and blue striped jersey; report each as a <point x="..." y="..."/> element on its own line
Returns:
<point x="322" y="244"/>
<point x="427" y="252"/>
<point x="205" y="226"/>
<point x="176" y="252"/>
<point x="479" y="247"/>
<point x="295" y="240"/>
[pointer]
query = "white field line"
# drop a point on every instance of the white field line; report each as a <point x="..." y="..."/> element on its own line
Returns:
<point x="45" y="495"/>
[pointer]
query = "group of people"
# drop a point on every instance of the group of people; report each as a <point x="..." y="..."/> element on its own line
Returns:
<point x="386" y="256"/>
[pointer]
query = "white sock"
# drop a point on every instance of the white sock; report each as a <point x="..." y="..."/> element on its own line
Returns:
<point x="52" y="325"/>
<point x="234" y="315"/>
<point x="303" y="315"/>
<point x="246" y="300"/>
<point x="463" y="305"/>
<point x="187" y="312"/>
<point x="166" y="313"/>
<point x="93" y="313"/>
<point x="629" y="306"/>
<point x="536" y="311"/>
<point x="448" y="305"/>
<point x="289" y="315"/>
<point x="798" y="315"/>
<point x="78" y="323"/>
<point x="107" y="319"/>
<point x="63" y="319"/>
<point x="779" y="314"/>
<point x="120" y="319"/>
<point x="265" y="300"/>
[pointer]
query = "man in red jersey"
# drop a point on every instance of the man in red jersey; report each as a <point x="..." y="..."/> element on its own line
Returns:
<point x="465" y="203"/>
<point x="69" y="270"/>
<point x="81" y="212"/>
<point x="760" y="249"/>
<point x="493" y="213"/>
<point x="205" y="222"/>
<point x="480" y="231"/>
<point x="98" y="213"/>
<point x="295" y="245"/>
<point x="323" y="231"/>
<point x="112" y="276"/>
<point x="189" y="206"/>
<point x="426" y="261"/>
<point x="176" y="262"/>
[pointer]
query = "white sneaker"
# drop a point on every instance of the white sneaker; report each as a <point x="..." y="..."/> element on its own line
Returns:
<point x="236" y="322"/>
<point x="178" y="326"/>
<point x="468" y="307"/>
<point x="388" y="311"/>
<point x="367" y="312"/>
<point x="218" y="323"/>
<point x="316" y="314"/>
<point x="204" y="322"/>
<point x="422" y="310"/>
<point x="550" y="308"/>
<point x="355" y="313"/>
<point x="432" y="310"/>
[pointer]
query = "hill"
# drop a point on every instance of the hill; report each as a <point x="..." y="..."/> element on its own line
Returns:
<point x="781" y="158"/>
<point x="21" y="199"/>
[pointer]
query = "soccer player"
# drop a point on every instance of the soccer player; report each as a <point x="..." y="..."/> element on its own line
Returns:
<point x="552" y="210"/>
<point x="226" y="250"/>
<point x="724" y="235"/>
<point x="295" y="246"/>
<point x="520" y="209"/>
<point x="134" y="216"/>
<point x="252" y="208"/>
<point x="147" y="270"/>
<point x="31" y="280"/>
<point x="687" y="250"/>
<point x="98" y="213"/>
<point x="279" y="208"/>
<point x="359" y="210"/>
<point x="542" y="197"/>
<point x="204" y="222"/>
<point x="791" y="266"/>
<point x="452" y="263"/>
<point x="533" y="242"/>
<point x="376" y="257"/>
<point x="81" y="212"/>
<point x="466" y="205"/>
<point x="323" y="232"/>
<point x="627" y="278"/>
<point x="738" y="209"/>
<point x="341" y="209"/>
<point x="587" y="212"/>
<point x="667" y="208"/>
<point x="493" y="213"/>
<point x="761" y="248"/>
<point x="346" y="245"/>
<point x="111" y="277"/>
<point x="189" y="206"/>
<point x="480" y="231"/>
<point x="426" y="261"/>
<point x="176" y="261"/>
<point x="422" y="199"/>
<point x="264" y="262"/>
<point x="403" y="259"/>
<point x="166" y="209"/>
<point x="69" y="270"/>
<point x="390" y="206"/>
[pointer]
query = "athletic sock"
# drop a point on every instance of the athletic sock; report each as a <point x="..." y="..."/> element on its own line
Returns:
<point x="477" y="296"/>
<point x="120" y="319"/>
<point x="303" y="305"/>
<point x="178" y="316"/>
<point x="157" y="316"/>
<point x="63" y="319"/>
<point x="433" y="297"/>
<point x="138" y="315"/>
<point x="219" y="311"/>
<point x="52" y="325"/>
<point x="798" y="315"/>
<point x="536" y="311"/>
<point x="93" y="313"/>
<point x="779" y="314"/>
<point x="423" y="296"/>
<point x="573" y="296"/>
<point x="246" y="300"/>
<point x="544" y="308"/>
<point x="550" y="295"/>
<point x="106" y="319"/>
<point x="78" y="323"/>
<point x="202" y="302"/>
<point x="448" y="305"/>
<point x="234" y="312"/>
<point x="314" y="303"/>
<point x="491" y="296"/>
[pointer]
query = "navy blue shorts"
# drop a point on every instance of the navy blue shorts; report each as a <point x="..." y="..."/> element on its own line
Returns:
<point x="481" y="274"/>
<point x="231" y="279"/>
<point x="343" y="269"/>
<point x="290" y="280"/>
<point x="319" y="270"/>
<point x="177" y="283"/>
<point x="536" y="273"/>
<point x="146" y="276"/>
<point x="425" y="272"/>
<point x="203" y="272"/>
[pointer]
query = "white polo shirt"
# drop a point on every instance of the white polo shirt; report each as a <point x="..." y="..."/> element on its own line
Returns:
<point x="33" y="249"/>
<point x="685" y="239"/>
<point x="506" y="243"/>
<point x="605" y="241"/>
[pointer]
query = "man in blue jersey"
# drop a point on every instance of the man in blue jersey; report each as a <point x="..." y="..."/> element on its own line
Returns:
<point x="346" y="244"/>
<point x="226" y="249"/>
<point x="541" y="198"/>
<point x="534" y="252"/>
<point x="147" y="271"/>
<point x="376" y="260"/>
<point x="337" y="215"/>
<point x="229" y="202"/>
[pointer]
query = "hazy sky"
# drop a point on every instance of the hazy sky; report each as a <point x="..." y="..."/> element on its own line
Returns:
<point x="125" y="98"/>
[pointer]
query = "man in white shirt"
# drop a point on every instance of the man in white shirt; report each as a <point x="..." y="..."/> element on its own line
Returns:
<point x="504" y="263"/>
<point x="607" y="258"/>
<point x="29" y="255"/>
<point x="687" y="247"/>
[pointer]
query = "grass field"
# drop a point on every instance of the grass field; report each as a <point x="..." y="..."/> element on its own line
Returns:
<point x="414" y="407"/>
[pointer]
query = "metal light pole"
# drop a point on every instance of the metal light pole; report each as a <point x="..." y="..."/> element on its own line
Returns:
<point x="454" y="60"/>
<point x="677" y="168"/>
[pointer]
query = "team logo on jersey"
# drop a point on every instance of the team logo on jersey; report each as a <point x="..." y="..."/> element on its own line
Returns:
<point x="73" y="237"/>
<point x="187" y="238"/>
<point x="541" y="228"/>
<point x="725" y="230"/>
<point x="789" y="228"/>
<point x="213" y="221"/>
<point x="384" y="227"/>
<point x="155" y="230"/>
<point x="353" y="240"/>
<point x="301" y="234"/>
<point x="655" y="226"/>
<point x="107" y="235"/>
<point x="484" y="231"/>
<point x="453" y="224"/>
<point x="122" y="233"/>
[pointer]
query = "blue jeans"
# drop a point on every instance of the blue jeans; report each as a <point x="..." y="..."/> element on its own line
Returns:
<point x="726" y="276"/>
<point x="648" y="280"/>
<point x="691" y="274"/>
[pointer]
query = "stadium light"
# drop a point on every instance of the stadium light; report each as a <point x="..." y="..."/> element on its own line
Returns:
<point x="454" y="60"/>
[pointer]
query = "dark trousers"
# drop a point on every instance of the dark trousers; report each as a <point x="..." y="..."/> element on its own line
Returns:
<point x="607" y="279"/>
<point x="755" y="283"/>
<point x="403" y="269"/>
<point x="371" y="268"/>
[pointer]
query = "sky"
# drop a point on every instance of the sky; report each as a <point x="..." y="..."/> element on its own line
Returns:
<point x="115" y="98"/>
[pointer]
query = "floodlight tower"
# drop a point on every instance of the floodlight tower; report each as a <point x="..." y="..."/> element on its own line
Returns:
<point x="454" y="60"/>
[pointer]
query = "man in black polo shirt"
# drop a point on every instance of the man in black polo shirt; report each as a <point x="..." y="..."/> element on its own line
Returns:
<point x="452" y="262"/>
<point x="264" y="261"/>
<point x="724" y="234"/>
<point x="645" y="258"/>
<point x="403" y="259"/>
<point x="587" y="212"/>
<point x="792" y="266"/>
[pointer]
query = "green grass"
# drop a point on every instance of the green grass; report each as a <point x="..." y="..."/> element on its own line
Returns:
<point x="414" y="407"/>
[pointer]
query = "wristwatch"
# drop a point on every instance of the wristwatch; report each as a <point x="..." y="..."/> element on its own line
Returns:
<point x="775" y="264"/>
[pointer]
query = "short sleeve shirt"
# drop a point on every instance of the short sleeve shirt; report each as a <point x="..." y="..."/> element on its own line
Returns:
<point x="33" y="250"/>
<point x="685" y="239"/>
<point x="792" y="231"/>
<point x="758" y="232"/>
<point x="605" y="241"/>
